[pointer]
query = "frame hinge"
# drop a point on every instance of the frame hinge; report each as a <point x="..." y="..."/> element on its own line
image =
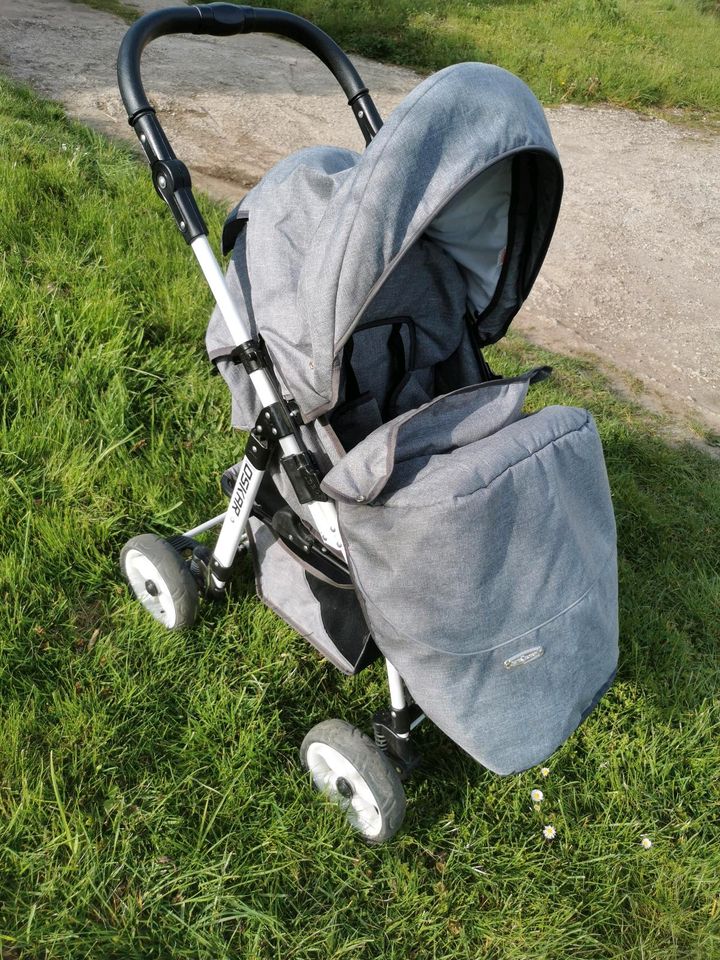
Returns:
<point x="172" y="183"/>
<point x="304" y="477"/>
<point x="258" y="450"/>
<point x="274" y="422"/>
<point x="203" y="566"/>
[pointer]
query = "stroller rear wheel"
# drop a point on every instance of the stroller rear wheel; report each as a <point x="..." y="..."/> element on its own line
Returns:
<point x="160" y="579"/>
<point x="352" y="772"/>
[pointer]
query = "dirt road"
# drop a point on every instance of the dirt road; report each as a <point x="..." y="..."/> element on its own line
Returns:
<point x="632" y="275"/>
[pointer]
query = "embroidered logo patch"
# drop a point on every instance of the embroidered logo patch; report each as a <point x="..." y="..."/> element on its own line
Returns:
<point x="527" y="656"/>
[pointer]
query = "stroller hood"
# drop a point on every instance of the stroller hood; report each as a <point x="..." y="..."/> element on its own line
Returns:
<point x="466" y="159"/>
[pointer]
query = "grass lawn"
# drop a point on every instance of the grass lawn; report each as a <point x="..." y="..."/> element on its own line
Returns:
<point x="126" y="11"/>
<point x="638" y="53"/>
<point x="151" y="803"/>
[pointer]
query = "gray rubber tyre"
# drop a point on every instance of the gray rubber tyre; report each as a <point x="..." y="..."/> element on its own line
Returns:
<point x="160" y="580"/>
<point x="352" y="772"/>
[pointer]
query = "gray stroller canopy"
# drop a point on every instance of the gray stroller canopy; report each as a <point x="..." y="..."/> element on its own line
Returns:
<point x="466" y="160"/>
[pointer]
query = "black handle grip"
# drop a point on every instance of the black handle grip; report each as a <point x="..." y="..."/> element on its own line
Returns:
<point x="226" y="19"/>
<point x="160" y="23"/>
<point x="170" y="175"/>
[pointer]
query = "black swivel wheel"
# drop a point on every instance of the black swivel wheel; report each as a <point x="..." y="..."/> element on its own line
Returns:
<point x="160" y="579"/>
<point x="355" y="774"/>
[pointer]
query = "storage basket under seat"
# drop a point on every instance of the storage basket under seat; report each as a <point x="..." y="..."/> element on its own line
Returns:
<point x="482" y="546"/>
<point x="328" y="616"/>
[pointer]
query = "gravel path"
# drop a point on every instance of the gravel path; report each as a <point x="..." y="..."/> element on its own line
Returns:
<point x="632" y="274"/>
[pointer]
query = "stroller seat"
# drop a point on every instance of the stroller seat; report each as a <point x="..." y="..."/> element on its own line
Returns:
<point x="480" y="542"/>
<point x="399" y="355"/>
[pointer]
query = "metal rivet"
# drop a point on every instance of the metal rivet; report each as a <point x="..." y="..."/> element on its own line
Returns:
<point x="360" y="499"/>
<point x="254" y="449"/>
<point x="274" y="432"/>
<point x="360" y="114"/>
<point x="162" y="182"/>
<point x="267" y="414"/>
<point x="182" y="225"/>
<point x="143" y="138"/>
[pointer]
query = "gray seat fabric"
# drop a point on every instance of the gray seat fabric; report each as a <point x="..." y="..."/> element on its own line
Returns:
<point x="327" y="616"/>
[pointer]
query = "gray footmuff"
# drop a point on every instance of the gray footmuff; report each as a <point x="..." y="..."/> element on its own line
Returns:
<point x="482" y="545"/>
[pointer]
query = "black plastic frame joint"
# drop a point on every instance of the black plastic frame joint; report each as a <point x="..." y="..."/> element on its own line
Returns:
<point x="251" y="355"/>
<point x="170" y="176"/>
<point x="294" y="411"/>
<point x="274" y="422"/>
<point x="218" y="570"/>
<point x="202" y="565"/>
<point x="304" y="477"/>
<point x="257" y="450"/>
<point x="172" y="183"/>
<point x="395" y="741"/>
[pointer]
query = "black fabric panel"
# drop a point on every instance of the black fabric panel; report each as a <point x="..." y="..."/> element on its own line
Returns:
<point x="234" y="224"/>
<point x="353" y="421"/>
<point x="344" y="622"/>
<point x="534" y="207"/>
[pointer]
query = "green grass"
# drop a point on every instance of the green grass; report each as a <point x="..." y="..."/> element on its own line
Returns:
<point x="638" y="53"/>
<point x="126" y="11"/>
<point x="151" y="804"/>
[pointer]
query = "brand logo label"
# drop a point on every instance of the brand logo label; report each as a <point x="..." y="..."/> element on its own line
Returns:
<point x="527" y="656"/>
<point x="241" y="488"/>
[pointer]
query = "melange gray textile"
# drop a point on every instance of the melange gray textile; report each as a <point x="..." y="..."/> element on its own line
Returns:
<point x="482" y="546"/>
<point x="467" y="158"/>
<point x="480" y="541"/>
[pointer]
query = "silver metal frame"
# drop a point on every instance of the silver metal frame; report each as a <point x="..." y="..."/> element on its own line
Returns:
<point x="233" y="522"/>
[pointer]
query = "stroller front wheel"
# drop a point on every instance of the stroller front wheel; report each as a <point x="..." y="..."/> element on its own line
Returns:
<point x="352" y="772"/>
<point x="160" y="579"/>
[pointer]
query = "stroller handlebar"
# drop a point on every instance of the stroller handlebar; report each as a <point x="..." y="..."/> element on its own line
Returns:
<point x="227" y="19"/>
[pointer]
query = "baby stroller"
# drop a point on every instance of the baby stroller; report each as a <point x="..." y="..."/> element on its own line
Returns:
<point x="394" y="499"/>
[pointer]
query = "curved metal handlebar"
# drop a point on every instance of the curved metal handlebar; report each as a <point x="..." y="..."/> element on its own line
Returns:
<point x="170" y="176"/>
<point x="227" y="19"/>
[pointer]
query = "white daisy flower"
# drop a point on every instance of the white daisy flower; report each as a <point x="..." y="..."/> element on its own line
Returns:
<point x="646" y="843"/>
<point x="537" y="796"/>
<point x="545" y="771"/>
<point x="549" y="832"/>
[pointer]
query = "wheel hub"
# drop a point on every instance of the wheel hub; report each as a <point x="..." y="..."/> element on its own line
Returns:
<point x="344" y="788"/>
<point x="151" y="588"/>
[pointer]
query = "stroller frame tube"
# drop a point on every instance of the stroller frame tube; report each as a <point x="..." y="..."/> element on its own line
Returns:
<point x="250" y="476"/>
<point x="173" y="184"/>
<point x="204" y="527"/>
